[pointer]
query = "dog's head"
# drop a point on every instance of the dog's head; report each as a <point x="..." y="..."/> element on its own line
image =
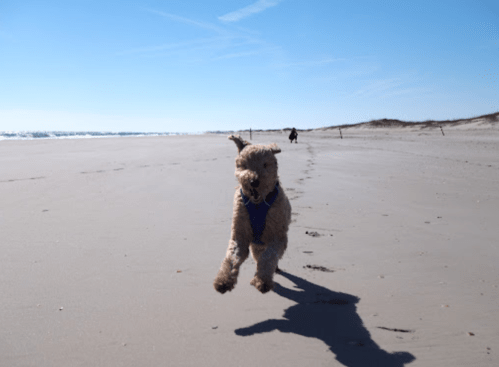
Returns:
<point x="256" y="168"/>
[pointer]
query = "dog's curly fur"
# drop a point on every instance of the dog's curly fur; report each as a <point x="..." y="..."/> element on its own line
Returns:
<point x="256" y="172"/>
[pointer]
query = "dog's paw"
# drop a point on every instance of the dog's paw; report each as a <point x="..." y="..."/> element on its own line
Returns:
<point x="223" y="286"/>
<point x="261" y="285"/>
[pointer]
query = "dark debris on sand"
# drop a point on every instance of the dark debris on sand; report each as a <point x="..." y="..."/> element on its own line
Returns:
<point x="313" y="234"/>
<point x="320" y="268"/>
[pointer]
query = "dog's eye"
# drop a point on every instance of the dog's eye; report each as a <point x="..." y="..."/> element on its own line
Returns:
<point x="265" y="165"/>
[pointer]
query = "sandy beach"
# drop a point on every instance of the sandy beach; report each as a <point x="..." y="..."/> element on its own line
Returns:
<point x="109" y="248"/>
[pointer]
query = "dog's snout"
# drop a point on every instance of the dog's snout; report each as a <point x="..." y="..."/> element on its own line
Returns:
<point x="255" y="183"/>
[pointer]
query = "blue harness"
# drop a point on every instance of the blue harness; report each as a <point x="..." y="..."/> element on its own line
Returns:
<point x="258" y="212"/>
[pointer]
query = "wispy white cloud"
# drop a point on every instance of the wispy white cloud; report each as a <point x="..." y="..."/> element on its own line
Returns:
<point x="238" y="54"/>
<point x="211" y="48"/>
<point x="408" y="84"/>
<point x="200" y="43"/>
<point x="376" y="87"/>
<point x="188" y="21"/>
<point x="224" y="44"/>
<point x="311" y="63"/>
<point x="254" y="8"/>
<point x="259" y="51"/>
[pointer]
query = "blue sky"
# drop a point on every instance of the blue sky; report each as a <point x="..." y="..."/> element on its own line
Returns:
<point x="192" y="66"/>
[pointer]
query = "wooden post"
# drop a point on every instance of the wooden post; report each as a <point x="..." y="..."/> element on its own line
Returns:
<point x="442" y="130"/>
<point x="341" y="135"/>
<point x="251" y="135"/>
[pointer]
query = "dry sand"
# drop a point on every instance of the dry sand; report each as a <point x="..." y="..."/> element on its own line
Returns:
<point x="109" y="248"/>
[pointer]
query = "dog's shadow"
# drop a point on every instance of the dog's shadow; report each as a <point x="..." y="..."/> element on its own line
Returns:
<point x="331" y="317"/>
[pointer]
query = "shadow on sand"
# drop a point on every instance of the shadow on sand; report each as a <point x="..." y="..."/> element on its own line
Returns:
<point x="331" y="317"/>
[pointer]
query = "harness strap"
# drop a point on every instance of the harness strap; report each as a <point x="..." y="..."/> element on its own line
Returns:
<point x="258" y="212"/>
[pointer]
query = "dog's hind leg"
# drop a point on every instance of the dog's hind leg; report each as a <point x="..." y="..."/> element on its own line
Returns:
<point x="226" y="278"/>
<point x="257" y="251"/>
<point x="267" y="265"/>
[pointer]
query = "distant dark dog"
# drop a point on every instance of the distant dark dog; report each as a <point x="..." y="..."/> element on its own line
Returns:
<point x="293" y="136"/>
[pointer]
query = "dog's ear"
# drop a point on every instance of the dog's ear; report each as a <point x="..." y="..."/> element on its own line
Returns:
<point x="239" y="142"/>
<point x="274" y="148"/>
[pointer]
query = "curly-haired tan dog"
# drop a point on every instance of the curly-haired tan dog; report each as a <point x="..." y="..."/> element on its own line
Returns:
<point x="261" y="217"/>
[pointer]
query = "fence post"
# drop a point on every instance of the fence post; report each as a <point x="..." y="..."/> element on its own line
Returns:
<point x="442" y="130"/>
<point x="251" y="135"/>
<point x="341" y="135"/>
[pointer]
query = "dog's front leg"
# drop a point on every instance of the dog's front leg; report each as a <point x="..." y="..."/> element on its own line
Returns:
<point x="266" y="266"/>
<point x="226" y="278"/>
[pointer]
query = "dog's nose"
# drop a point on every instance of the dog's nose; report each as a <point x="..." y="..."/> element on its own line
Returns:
<point x="254" y="183"/>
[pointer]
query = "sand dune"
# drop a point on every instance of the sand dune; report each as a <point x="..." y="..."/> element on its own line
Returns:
<point x="109" y="248"/>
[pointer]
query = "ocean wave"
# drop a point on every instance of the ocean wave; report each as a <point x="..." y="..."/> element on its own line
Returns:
<point x="32" y="135"/>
